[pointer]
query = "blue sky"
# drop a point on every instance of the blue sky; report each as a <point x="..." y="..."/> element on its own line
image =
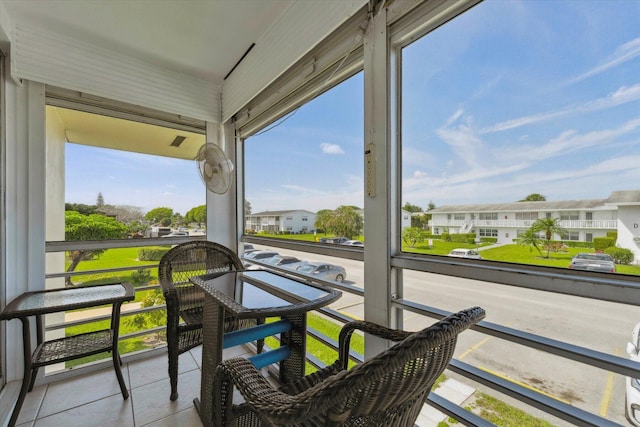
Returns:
<point x="511" y="98"/>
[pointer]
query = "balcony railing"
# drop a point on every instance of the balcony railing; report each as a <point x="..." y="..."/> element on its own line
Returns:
<point x="591" y="289"/>
<point x="568" y="224"/>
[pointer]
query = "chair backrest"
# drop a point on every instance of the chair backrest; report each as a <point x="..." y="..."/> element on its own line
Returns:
<point x="389" y="389"/>
<point x="195" y="258"/>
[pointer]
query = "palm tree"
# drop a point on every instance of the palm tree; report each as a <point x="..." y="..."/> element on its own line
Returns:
<point x="530" y="238"/>
<point x="548" y="226"/>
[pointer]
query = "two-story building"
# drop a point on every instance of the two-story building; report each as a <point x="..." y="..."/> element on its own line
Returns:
<point x="583" y="219"/>
<point x="293" y="221"/>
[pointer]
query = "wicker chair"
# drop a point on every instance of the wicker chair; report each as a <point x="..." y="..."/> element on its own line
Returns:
<point x="185" y="300"/>
<point x="387" y="390"/>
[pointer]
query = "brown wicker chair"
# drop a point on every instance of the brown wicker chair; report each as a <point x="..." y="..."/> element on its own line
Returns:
<point x="185" y="300"/>
<point x="387" y="390"/>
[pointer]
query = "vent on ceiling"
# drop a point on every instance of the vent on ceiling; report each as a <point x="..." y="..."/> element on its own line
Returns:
<point x="179" y="140"/>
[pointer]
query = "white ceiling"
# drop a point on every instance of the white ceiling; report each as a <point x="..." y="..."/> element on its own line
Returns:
<point x="201" y="38"/>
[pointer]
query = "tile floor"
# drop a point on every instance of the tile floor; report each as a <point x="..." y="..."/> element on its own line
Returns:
<point x="94" y="399"/>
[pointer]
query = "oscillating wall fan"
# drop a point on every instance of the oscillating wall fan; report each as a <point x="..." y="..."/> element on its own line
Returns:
<point x="216" y="170"/>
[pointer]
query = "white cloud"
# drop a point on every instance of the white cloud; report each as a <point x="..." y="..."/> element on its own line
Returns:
<point x="462" y="139"/>
<point x="331" y="148"/>
<point x="622" y="54"/>
<point x="621" y="96"/>
<point x="567" y="142"/>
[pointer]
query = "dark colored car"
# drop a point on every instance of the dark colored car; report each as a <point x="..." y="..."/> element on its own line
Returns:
<point x="593" y="262"/>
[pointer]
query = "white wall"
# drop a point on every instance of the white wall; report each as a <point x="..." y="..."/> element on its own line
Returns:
<point x="629" y="229"/>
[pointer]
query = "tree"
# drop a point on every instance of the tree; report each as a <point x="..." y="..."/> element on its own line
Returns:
<point x="346" y="221"/>
<point x="411" y="208"/>
<point x="323" y="220"/>
<point x="197" y="214"/>
<point x="81" y="208"/>
<point x="431" y="205"/>
<point x="548" y="226"/>
<point x="100" y="201"/>
<point x="530" y="238"/>
<point x="420" y="220"/>
<point x="177" y="220"/>
<point x="123" y="213"/>
<point x="89" y="227"/>
<point x="534" y="197"/>
<point x="247" y="208"/>
<point x="162" y="216"/>
<point x="412" y="236"/>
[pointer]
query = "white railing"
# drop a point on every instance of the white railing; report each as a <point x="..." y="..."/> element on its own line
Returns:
<point x="569" y="224"/>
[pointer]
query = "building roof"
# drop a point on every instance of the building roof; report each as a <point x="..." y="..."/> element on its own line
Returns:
<point x="277" y="213"/>
<point x="523" y="206"/>
<point x="628" y="197"/>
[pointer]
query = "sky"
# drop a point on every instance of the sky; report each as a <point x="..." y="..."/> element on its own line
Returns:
<point x="508" y="99"/>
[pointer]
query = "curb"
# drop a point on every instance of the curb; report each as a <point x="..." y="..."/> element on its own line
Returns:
<point x="452" y="390"/>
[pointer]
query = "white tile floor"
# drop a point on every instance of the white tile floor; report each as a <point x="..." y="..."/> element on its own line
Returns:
<point x="94" y="399"/>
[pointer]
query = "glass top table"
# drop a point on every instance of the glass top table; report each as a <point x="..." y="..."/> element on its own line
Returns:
<point x="39" y="303"/>
<point x="255" y="294"/>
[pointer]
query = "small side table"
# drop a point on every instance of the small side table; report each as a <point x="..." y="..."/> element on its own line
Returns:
<point x="60" y="350"/>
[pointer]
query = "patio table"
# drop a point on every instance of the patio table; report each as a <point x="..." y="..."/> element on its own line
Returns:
<point x="39" y="303"/>
<point x="256" y="294"/>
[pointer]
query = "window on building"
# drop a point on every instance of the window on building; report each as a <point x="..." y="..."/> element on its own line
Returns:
<point x="459" y="216"/>
<point x="488" y="216"/>
<point x="304" y="218"/>
<point x="572" y="235"/>
<point x="289" y="218"/>
<point x="569" y="216"/>
<point x="526" y="216"/>
<point x="488" y="232"/>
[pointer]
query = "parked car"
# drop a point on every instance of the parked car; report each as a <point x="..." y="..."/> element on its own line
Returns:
<point x="323" y="271"/>
<point x="261" y="256"/>
<point x="176" y="234"/>
<point x="593" y="262"/>
<point x="465" y="253"/>
<point x="282" y="260"/>
<point x="335" y="240"/>
<point x="632" y="385"/>
<point x="354" y="243"/>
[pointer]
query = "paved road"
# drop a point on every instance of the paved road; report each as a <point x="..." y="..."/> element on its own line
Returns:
<point x="601" y="326"/>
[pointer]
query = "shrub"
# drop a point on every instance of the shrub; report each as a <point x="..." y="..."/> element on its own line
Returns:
<point x="577" y="244"/>
<point x="463" y="238"/>
<point x="612" y="235"/>
<point x="140" y="278"/>
<point x="489" y="239"/>
<point x="151" y="254"/>
<point x="555" y="247"/>
<point x="446" y="237"/>
<point x="602" y="243"/>
<point x="620" y="255"/>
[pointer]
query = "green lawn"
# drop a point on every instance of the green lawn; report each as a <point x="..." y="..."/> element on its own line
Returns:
<point x="111" y="258"/>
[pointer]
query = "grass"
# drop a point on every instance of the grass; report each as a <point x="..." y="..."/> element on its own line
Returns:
<point x="111" y="258"/>
<point x="499" y="413"/>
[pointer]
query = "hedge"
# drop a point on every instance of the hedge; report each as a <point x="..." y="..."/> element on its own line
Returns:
<point x="600" y="244"/>
<point x="151" y="253"/>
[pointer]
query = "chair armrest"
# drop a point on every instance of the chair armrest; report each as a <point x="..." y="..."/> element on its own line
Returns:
<point x="369" y="328"/>
<point x="279" y="407"/>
